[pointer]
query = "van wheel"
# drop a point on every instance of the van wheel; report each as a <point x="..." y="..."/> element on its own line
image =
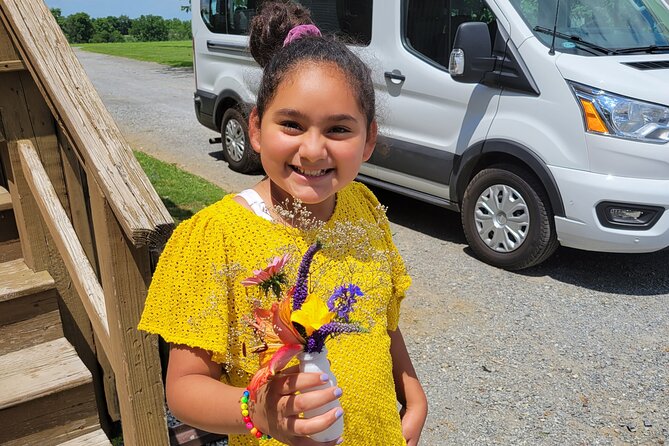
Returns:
<point x="507" y="218"/>
<point x="237" y="149"/>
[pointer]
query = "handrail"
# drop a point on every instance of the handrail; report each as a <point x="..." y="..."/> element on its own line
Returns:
<point x="69" y="247"/>
<point x="85" y="121"/>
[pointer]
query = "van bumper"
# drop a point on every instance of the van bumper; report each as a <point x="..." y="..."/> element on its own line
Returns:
<point x="581" y="227"/>
<point x="204" y="109"/>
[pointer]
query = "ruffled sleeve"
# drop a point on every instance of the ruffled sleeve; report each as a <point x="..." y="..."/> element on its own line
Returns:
<point x="186" y="302"/>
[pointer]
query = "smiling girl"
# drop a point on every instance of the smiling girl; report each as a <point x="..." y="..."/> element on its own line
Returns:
<point x="313" y="126"/>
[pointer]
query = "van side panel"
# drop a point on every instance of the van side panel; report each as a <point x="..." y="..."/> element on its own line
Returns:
<point x="434" y="117"/>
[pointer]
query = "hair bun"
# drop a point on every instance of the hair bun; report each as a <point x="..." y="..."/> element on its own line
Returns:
<point x="270" y="27"/>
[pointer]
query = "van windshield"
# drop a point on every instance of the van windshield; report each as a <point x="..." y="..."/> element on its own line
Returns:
<point x="599" y="27"/>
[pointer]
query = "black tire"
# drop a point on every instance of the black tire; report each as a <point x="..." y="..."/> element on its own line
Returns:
<point x="519" y="239"/>
<point x="237" y="150"/>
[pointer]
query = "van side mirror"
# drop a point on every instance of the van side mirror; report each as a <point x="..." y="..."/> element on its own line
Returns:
<point x="471" y="57"/>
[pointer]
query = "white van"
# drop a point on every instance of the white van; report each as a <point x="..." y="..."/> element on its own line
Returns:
<point x="543" y="122"/>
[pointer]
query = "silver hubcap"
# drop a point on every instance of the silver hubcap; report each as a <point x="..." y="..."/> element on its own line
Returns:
<point x="502" y="218"/>
<point x="234" y="140"/>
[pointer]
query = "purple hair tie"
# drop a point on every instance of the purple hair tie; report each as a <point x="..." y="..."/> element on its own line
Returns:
<point x="299" y="31"/>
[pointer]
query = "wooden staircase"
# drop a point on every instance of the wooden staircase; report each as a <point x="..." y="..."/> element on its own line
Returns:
<point x="80" y="229"/>
<point x="46" y="392"/>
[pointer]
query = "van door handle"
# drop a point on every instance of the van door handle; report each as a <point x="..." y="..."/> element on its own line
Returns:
<point x="394" y="75"/>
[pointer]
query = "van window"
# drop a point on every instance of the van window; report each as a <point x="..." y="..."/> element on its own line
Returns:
<point x="613" y="25"/>
<point x="431" y="25"/>
<point x="348" y="19"/>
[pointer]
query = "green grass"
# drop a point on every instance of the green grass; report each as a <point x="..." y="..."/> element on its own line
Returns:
<point x="182" y="193"/>
<point x="172" y="53"/>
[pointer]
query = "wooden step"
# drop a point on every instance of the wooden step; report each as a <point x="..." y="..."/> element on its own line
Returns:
<point x="11" y="65"/>
<point x="17" y="280"/>
<point x="24" y="293"/>
<point x="5" y="199"/>
<point x="39" y="371"/>
<point x="95" y="438"/>
<point x="48" y="395"/>
<point x="29" y="332"/>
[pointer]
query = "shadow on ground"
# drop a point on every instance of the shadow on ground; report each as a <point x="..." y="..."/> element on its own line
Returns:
<point x="179" y="214"/>
<point x="626" y="274"/>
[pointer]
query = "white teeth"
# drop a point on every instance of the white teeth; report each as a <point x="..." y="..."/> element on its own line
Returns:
<point x="311" y="173"/>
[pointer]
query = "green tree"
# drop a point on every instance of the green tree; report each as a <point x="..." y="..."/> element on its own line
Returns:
<point x="78" y="28"/>
<point x="149" y="28"/>
<point x="124" y="23"/>
<point x="58" y="15"/>
<point x="178" y="29"/>
<point x="105" y="29"/>
<point x="186" y="7"/>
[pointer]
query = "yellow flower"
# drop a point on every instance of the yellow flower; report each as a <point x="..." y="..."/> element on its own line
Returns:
<point x="313" y="314"/>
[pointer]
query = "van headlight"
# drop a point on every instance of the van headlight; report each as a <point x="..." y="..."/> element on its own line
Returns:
<point x="607" y="113"/>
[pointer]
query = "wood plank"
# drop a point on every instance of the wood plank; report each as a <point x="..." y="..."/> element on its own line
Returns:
<point x="5" y="199"/>
<point x="17" y="280"/>
<point x="140" y="386"/>
<point x="26" y="333"/>
<point x="95" y="438"/>
<point x="12" y="65"/>
<point x="15" y="121"/>
<point x="75" y="179"/>
<point x="51" y="420"/>
<point x="39" y="371"/>
<point x="7" y="50"/>
<point x="84" y="278"/>
<point x="24" y="308"/>
<point x="74" y="101"/>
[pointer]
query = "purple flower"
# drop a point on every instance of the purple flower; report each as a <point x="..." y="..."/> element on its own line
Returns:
<point x="343" y="299"/>
<point x="301" y="286"/>
<point x="316" y="341"/>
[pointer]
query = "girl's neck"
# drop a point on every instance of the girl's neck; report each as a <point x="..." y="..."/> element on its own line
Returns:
<point x="281" y="202"/>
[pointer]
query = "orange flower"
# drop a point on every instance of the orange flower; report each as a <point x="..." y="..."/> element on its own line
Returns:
<point x="281" y="342"/>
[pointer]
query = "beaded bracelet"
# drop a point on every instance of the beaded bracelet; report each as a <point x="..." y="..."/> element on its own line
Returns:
<point x="244" y="405"/>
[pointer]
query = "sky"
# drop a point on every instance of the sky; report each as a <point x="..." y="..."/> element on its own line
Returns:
<point x="132" y="8"/>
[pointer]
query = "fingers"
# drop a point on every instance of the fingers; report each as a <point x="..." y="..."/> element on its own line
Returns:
<point x="303" y="427"/>
<point x="304" y="402"/>
<point x="289" y="383"/>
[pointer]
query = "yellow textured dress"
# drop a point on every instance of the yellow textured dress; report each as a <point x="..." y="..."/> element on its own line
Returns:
<point x="196" y="299"/>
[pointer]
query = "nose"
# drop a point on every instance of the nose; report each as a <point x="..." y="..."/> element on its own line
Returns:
<point x="313" y="146"/>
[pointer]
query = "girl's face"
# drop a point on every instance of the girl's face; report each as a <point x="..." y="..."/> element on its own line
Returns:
<point x="313" y="137"/>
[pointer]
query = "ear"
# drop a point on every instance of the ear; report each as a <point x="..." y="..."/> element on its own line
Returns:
<point x="370" y="143"/>
<point x="254" y="130"/>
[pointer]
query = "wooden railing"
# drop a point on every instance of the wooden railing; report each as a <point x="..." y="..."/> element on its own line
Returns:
<point x="84" y="209"/>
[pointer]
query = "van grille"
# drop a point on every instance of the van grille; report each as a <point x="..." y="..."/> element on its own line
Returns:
<point x="654" y="65"/>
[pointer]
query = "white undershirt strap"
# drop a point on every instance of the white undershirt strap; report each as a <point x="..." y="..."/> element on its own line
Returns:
<point x="256" y="203"/>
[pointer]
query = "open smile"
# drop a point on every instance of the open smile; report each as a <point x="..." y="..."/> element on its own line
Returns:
<point x="311" y="173"/>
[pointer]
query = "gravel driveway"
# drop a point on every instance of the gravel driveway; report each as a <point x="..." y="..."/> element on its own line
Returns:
<point x="573" y="352"/>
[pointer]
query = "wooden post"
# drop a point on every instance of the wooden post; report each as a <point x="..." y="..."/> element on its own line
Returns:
<point x="125" y="274"/>
<point x="75" y="179"/>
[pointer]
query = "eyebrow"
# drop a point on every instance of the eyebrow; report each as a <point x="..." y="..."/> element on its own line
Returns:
<point x="290" y="112"/>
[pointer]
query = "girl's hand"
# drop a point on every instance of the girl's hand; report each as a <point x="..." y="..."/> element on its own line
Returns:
<point x="412" y="425"/>
<point x="277" y="408"/>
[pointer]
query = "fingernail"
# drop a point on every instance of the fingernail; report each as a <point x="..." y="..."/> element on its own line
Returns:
<point x="340" y="441"/>
<point x="325" y="377"/>
<point x="338" y="414"/>
<point x="338" y="392"/>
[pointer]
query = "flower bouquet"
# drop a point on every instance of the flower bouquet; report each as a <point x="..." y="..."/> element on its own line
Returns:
<point x="297" y="325"/>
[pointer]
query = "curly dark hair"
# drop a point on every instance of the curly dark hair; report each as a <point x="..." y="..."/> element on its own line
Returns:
<point x="270" y="27"/>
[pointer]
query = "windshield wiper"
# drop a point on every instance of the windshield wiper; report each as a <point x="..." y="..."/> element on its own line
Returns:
<point x="643" y="49"/>
<point x="576" y="39"/>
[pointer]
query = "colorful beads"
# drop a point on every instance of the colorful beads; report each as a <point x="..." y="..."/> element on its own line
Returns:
<point x="244" y="406"/>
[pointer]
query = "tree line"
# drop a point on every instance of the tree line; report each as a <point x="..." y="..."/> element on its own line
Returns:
<point x="82" y="28"/>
